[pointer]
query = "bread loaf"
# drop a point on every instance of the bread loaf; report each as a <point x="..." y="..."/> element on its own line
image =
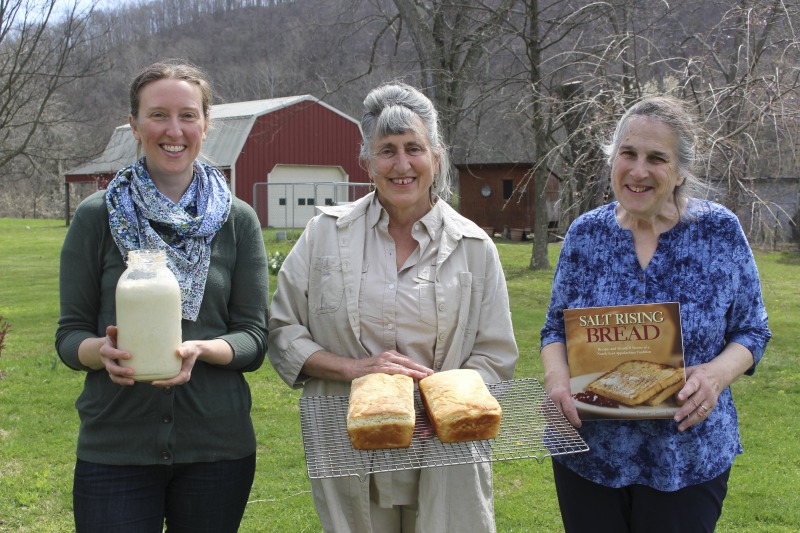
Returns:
<point x="638" y="382"/>
<point x="460" y="406"/>
<point x="380" y="413"/>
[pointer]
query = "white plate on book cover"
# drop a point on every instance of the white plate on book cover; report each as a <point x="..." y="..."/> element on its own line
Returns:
<point x="593" y="412"/>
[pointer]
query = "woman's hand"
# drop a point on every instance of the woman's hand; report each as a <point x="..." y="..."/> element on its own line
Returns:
<point x="110" y="357"/>
<point x="705" y="382"/>
<point x="212" y="351"/>
<point x="327" y="365"/>
<point x="391" y="362"/>
<point x="556" y="381"/>
<point x="188" y="351"/>
<point x="121" y="375"/>
<point x="698" y="397"/>
<point x="98" y="353"/>
<point x="561" y="395"/>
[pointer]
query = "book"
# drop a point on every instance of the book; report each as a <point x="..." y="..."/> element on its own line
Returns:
<point x="625" y="362"/>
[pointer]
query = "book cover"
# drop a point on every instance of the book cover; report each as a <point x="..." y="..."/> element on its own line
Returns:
<point x="625" y="361"/>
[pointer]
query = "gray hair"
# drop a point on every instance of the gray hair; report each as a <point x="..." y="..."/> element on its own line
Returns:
<point x="392" y="109"/>
<point x="674" y="114"/>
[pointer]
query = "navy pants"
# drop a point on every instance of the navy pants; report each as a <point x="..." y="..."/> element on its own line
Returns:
<point x="589" y="507"/>
<point x="192" y="497"/>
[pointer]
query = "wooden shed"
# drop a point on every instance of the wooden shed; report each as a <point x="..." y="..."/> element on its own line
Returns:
<point x="497" y="196"/>
<point x="283" y="156"/>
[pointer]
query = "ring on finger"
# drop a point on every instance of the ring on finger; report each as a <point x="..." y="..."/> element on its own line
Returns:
<point x="702" y="411"/>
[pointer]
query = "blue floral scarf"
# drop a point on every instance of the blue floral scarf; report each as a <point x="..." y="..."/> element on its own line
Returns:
<point x="141" y="217"/>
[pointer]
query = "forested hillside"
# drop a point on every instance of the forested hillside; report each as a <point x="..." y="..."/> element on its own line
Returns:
<point x="514" y="80"/>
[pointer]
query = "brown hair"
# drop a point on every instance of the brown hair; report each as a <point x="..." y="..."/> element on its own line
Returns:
<point x="171" y="69"/>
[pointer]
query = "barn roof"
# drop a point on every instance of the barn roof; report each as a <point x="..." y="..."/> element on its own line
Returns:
<point x="230" y="125"/>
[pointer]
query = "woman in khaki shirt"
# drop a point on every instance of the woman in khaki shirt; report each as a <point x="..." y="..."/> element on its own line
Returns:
<point x="399" y="283"/>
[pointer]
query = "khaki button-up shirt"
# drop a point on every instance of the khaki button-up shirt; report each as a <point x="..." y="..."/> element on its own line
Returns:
<point x="319" y="305"/>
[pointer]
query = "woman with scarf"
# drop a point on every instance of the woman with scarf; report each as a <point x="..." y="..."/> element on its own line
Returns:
<point x="180" y="450"/>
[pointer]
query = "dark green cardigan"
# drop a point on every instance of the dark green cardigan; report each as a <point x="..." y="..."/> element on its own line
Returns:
<point x="208" y="418"/>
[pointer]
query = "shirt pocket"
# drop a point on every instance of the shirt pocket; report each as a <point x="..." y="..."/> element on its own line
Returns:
<point x="426" y="287"/>
<point x="326" y="286"/>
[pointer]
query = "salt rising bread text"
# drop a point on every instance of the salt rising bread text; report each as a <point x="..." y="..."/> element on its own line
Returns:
<point x="460" y="406"/>
<point x="380" y="414"/>
<point x="638" y="382"/>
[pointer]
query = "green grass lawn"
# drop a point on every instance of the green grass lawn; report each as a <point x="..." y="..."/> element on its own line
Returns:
<point x="38" y="422"/>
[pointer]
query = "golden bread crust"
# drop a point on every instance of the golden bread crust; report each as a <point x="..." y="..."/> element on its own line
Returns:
<point x="380" y="413"/>
<point x="460" y="406"/>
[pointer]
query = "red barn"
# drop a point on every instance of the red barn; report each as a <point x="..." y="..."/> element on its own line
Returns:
<point x="283" y="156"/>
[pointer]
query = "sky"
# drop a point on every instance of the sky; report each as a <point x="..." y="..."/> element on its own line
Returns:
<point x="34" y="6"/>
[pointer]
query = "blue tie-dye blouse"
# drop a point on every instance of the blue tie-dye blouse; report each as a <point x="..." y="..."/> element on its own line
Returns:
<point x="706" y="264"/>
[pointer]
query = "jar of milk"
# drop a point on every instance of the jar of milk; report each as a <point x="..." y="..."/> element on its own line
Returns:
<point x="149" y="316"/>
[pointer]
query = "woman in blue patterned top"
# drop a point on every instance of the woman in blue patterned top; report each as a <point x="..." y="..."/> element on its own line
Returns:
<point x="657" y="243"/>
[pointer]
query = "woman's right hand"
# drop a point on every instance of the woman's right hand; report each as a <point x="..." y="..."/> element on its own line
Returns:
<point x="327" y="365"/>
<point x="110" y="357"/>
<point x="556" y="381"/>
<point x="390" y="362"/>
<point x="561" y="395"/>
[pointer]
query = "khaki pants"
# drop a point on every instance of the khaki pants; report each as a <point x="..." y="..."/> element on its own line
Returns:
<point x="397" y="519"/>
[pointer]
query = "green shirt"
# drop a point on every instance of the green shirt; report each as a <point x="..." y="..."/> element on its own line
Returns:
<point x="206" y="419"/>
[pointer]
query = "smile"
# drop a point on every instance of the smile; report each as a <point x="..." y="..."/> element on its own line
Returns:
<point x="638" y="188"/>
<point x="174" y="148"/>
<point x="402" y="181"/>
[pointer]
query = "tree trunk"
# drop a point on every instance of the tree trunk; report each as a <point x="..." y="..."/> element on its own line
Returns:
<point x="539" y="259"/>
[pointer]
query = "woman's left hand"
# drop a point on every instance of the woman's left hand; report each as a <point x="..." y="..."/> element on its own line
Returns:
<point x="698" y="396"/>
<point x="189" y="351"/>
<point x="213" y="351"/>
<point x="705" y="382"/>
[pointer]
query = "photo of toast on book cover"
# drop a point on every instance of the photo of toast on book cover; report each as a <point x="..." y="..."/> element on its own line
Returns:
<point x="625" y="361"/>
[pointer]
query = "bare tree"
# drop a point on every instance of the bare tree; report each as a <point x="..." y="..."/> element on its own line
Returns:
<point x="737" y="62"/>
<point x="586" y="62"/>
<point x="39" y="56"/>
<point x="539" y="81"/>
<point x="745" y="81"/>
<point x="443" y="45"/>
<point x="451" y="40"/>
<point x="552" y="44"/>
<point x="533" y="47"/>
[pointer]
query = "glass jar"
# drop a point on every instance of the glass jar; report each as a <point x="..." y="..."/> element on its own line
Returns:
<point x="149" y="316"/>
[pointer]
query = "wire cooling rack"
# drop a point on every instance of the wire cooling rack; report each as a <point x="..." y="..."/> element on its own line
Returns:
<point x="532" y="427"/>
